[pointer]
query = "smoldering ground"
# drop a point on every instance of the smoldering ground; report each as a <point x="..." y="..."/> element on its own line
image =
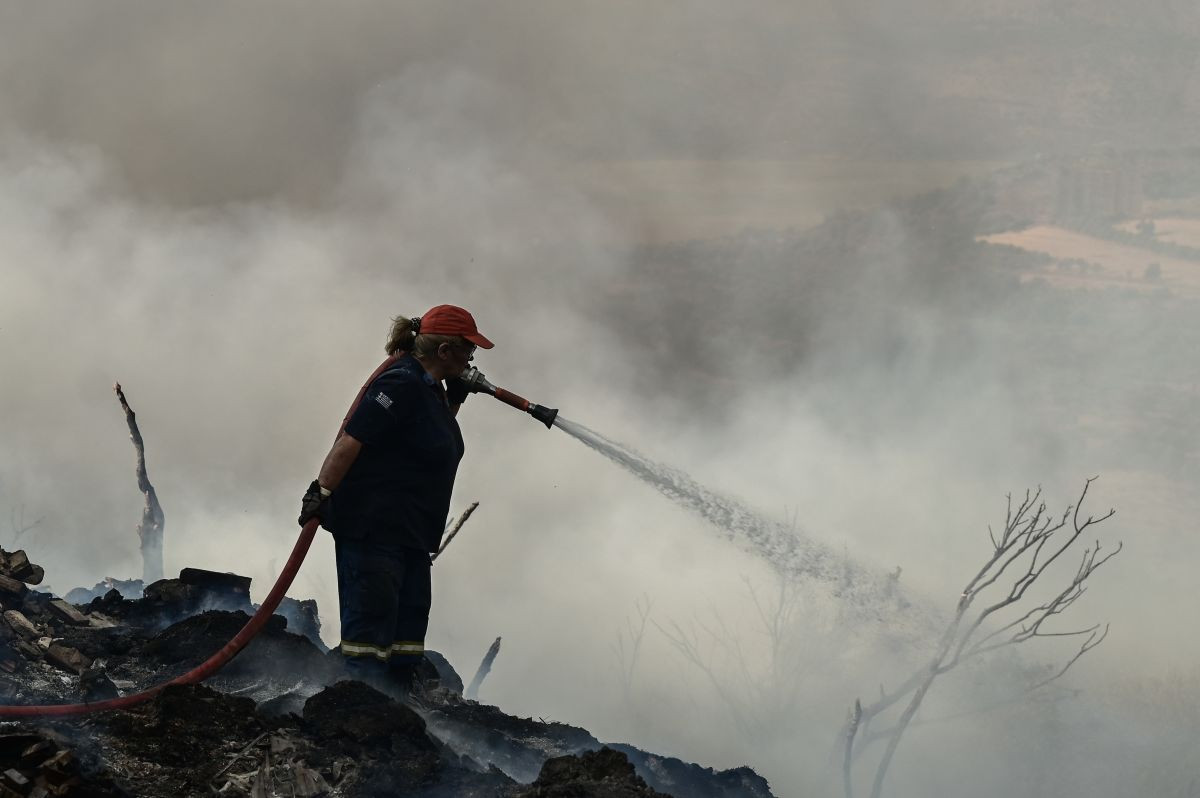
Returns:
<point x="223" y="212"/>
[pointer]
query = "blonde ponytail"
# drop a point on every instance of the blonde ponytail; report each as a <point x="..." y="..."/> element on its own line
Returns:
<point x="402" y="336"/>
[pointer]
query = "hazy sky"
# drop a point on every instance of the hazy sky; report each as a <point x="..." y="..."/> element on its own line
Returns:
<point x="222" y="204"/>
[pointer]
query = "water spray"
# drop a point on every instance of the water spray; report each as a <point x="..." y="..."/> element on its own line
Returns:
<point x="477" y="383"/>
<point x="864" y="592"/>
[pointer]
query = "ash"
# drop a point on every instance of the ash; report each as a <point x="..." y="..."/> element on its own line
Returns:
<point x="281" y="718"/>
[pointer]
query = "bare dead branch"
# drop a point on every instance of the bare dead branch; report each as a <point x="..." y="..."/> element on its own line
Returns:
<point x="627" y="656"/>
<point x="852" y="724"/>
<point x="1030" y="624"/>
<point x="1087" y="646"/>
<point x="485" y="667"/>
<point x="19" y="527"/>
<point x="1008" y="701"/>
<point x="150" y="529"/>
<point x="1029" y="544"/>
<point x="462" y="519"/>
<point x="688" y="644"/>
<point x="238" y="756"/>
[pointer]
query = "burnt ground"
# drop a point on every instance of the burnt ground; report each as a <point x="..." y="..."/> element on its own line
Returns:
<point x="281" y="719"/>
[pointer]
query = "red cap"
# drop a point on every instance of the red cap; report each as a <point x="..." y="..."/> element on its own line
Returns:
<point x="453" y="320"/>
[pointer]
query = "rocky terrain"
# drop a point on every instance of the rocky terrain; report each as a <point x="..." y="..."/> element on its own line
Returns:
<point x="280" y="719"/>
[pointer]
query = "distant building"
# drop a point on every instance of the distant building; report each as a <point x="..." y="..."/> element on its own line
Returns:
<point x="1067" y="192"/>
<point x="1099" y="189"/>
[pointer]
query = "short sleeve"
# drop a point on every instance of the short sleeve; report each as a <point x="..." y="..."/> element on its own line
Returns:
<point x="376" y="417"/>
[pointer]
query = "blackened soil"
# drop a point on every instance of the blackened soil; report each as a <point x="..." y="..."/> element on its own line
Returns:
<point x="99" y="643"/>
<point x="350" y="716"/>
<point x="165" y="602"/>
<point x="174" y="744"/>
<point x="40" y="760"/>
<point x="395" y="755"/>
<point x="356" y="742"/>
<point x="193" y="741"/>
<point x="595" y="774"/>
<point x="309" y="733"/>
<point x="518" y="746"/>
<point x="275" y="654"/>
<point x="187" y="722"/>
<point x="684" y="778"/>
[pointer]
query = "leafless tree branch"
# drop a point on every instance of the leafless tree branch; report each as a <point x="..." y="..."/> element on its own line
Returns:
<point x="462" y="519"/>
<point x="19" y="527"/>
<point x="627" y="653"/>
<point x="1030" y="542"/>
<point x="687" y="643"/>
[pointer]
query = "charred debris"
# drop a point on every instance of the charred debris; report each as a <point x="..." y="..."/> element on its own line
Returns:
<point x="280" y="719"/>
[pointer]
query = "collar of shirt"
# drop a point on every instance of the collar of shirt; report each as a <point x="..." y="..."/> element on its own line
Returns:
<point x="427" y="379"/>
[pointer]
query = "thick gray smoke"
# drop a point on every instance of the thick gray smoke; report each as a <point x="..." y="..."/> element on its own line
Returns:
<point x="865" y="595"/>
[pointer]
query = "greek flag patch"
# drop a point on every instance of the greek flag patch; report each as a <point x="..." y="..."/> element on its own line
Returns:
<point x="383" y="399"/>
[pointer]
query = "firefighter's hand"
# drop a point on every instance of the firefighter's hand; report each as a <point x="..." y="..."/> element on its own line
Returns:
<point x="313" y="503"/>
<point x="456" y="391"/>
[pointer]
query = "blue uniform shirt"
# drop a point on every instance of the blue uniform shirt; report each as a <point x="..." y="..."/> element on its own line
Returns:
<point x="397" y="492"/>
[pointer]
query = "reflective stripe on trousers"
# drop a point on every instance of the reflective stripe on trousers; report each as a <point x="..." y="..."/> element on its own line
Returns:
<point x="384" y="595"/>
<point x="383" y="654"/>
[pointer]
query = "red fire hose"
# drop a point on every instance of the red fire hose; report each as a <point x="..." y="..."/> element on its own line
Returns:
<point x="231" y="649"/>
<point x="271" y="602"/>
<point x="210" y="666"/>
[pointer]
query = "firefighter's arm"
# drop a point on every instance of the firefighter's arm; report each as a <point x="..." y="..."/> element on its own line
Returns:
<point x="337" y="463"/>
<point x="341" y="456"/>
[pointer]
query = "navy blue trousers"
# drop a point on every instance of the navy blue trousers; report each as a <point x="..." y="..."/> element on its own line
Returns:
<point x="384" y="595"/>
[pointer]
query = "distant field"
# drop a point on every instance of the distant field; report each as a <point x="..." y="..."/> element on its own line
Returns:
<point x="1185" y="231"/>
<point x="678" y="200"/>
<point x="1111" y="264"/>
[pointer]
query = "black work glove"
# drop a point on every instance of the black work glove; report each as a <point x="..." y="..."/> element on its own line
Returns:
<point x="456" y="391"/>
<point x="312" y="504"/>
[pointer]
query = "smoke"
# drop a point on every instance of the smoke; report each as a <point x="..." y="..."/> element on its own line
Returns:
<point x="222" y="206"/>
<point x="865" y="595"/>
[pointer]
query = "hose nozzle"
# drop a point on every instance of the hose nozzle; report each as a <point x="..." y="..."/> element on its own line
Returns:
<point x="477" y="383"/>
<point x="546" y="415"/>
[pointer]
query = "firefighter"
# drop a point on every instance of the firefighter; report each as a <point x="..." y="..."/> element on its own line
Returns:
<point x="384" y="489"/>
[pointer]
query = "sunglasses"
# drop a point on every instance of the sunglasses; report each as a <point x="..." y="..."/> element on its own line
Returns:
<point x="467" y="349"/>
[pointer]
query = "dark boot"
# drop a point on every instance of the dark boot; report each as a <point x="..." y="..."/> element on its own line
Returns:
<point x="402" y="677"/>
